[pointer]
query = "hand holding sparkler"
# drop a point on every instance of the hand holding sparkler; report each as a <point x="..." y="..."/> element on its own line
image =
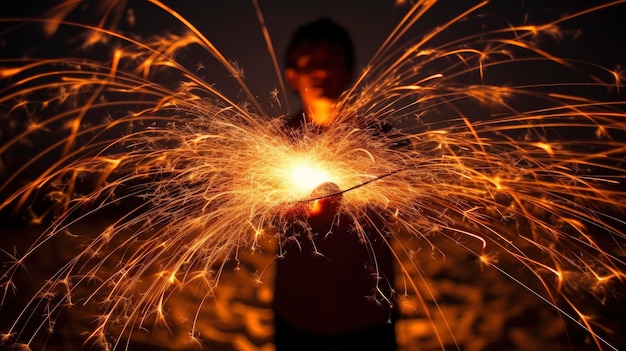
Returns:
<point x="321" y="207"/>
<point x="325" y="206"/>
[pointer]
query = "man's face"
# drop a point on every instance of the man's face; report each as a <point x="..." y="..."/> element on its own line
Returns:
<point x="321" y="72"/>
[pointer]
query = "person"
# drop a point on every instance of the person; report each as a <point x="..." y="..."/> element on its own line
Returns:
<point x="333" y="290"/>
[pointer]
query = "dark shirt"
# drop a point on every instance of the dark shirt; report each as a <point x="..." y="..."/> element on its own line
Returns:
<point x="333" y="279"/>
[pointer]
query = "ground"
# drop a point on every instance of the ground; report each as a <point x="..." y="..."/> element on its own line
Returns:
<point x="470" y="305"/>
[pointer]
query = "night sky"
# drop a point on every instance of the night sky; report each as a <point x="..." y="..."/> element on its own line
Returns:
<point x="232" y="26"/>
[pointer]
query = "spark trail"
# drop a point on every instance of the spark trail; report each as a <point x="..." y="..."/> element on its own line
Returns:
<point x="196" y="177"/>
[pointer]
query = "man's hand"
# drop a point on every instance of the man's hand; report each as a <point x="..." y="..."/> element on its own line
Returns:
<point x="325" y="207"/>
<point x="321" y="210"/>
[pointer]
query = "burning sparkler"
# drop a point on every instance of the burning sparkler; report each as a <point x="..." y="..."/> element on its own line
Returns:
<point x="208" y="177"/>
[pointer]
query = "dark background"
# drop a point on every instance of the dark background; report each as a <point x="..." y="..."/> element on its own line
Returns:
<point x="233" y="27"/>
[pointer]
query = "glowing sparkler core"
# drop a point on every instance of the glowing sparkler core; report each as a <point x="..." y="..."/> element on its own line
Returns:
<point x="305" y="174"/>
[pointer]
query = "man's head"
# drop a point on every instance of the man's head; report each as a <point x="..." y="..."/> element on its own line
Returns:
<point x="320" y="61"/>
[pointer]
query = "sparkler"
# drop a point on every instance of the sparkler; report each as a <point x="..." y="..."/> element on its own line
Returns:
<point x="538" y="181"/>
